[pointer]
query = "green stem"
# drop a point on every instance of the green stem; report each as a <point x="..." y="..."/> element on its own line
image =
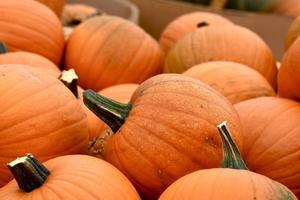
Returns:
<point x="70" y="79"/>
<point x="29" y="173"/>
<point x="3" y="48"/>
<point x="111" y="112"/>
<point x="231" y="155"/>
<point x="202" y="24"/>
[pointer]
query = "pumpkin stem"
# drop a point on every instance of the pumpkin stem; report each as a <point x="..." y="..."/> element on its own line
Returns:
<point x="231" y="155"/>
<point x="202" y="24"/>
<point x="111" y="112"/>
<point x="29" y="173"/>
<point x="70" y="79"/>
<point x="3" y="48"/>
<point x="79" y="19"/>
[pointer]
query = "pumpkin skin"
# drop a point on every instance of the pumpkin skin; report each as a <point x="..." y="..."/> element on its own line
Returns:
<point x="235" y="184"/>
<point x="25" y="27"/>
<point x="185" y="24"/>
<point x="289" y="73"/>
<point x="235" y="81"/>
<point x="288" y="7"/>
<point x="55" y="5"/>
<point x="108" y="60"/>
<point x="164" y="137"/>
<point x="227" y="43"/>
<point x="31" y="59"/>
<point x="293" y="33"/>
<point x="38" y="114"/>
<point x="96" y="179"/>
<point x="271" y="147"/>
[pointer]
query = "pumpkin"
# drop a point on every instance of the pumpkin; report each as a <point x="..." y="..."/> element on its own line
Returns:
<point x="252" y="5"/>
<point x="74" y="14"/>
<point x="235" y="81"/>
<point x="293" y="32"/>
<point x="30" y="26"/>
<point x="185" y="24"/>
<point x="166" y="131"/>
<point x="69" y="177"/>
<point x="27" y="58"/>
<point x="272" y="138"/>
<point x="233" y="180"/>
<point x="108" y="60"/>
<point x="289" y="73"/>
<point x="227" y="43"/>
<point x="39" y="115"/>
<point x="55" y="5"/>
<point x="288" y="7"/>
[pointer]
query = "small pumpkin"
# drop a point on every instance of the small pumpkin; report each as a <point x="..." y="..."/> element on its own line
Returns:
<point x="39" y="115"/>
<point x="233" y="180"/>
<point x="165" y="132"/>
<point x="288" y="7"/>
<point x="289" y="73"/>
<point x="27" y="58"/>
<point x="227" y="43"/>
<point x="235" y="81"/>
<point x="108" y="59"/>
<point x="30" y="26"/>
<point x="55" y="5"/>
<point x="293" y="33"/>
<point x="185" y="24"/>
<point x="75" y="177"/>
<point x="272" y="138"/>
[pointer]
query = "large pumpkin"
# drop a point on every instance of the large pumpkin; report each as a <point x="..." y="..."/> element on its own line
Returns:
<point x="166" y="131"/>
<point x="233" y="181"/>
<point x="115" y="51"/>
<point x="27" y="58"/>
<point x="227" y="43"/>
<point x="235" y="81"/>
<point x="293" y="32"/>
<point x="27" y="25"/>
<point x="185" y="24"/>
<point x="73" y="177"/>
<point x="272" y="138"/>
<point x="38" y="115"/>
<point x="55" y="5"/>
<point x="289" y="73"/>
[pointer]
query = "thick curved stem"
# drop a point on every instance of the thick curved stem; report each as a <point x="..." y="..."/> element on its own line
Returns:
<point x="231" y="155"/>
<point x="28" y="172"/>
<point x="111" y="112"/>
<point x="3" y="48"/>
<point x="70" y="79"/>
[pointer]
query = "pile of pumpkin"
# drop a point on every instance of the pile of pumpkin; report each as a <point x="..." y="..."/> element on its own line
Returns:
<point x="163" y="107"/>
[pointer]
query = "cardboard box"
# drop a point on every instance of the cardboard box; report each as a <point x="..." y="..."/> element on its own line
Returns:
<point x="121" y="8"/>
<point x="156" y="14"/>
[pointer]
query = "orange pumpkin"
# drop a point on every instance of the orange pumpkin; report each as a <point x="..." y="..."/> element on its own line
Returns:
<point x="75" y="177"/>
<point x="30" y="26"/>
<point x="55" y="5"/>
<point x="293" y="32"/>
<point x="272" y="138"/>
<point x="185" y="24"/>
<point x="108" y="59"/>
<point x="27" y="58"/>
<point x="233" y="181"/>
<point x="38" y="115"/>
<point x="235" y="81"/>
<point x="166" y="131"/>
<point x="74" y="14"/>
<point x="289" y="73"/>
<point x="288" y="7"/>
<point x="227" y="43"/>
